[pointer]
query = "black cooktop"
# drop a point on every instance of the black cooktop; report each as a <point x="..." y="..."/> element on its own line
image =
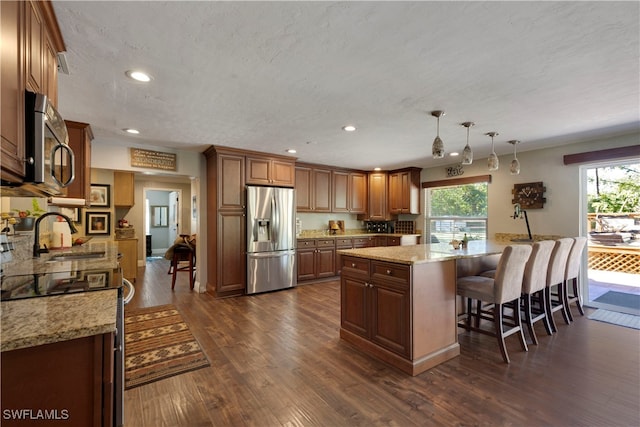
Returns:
<point x="49" y="284"/>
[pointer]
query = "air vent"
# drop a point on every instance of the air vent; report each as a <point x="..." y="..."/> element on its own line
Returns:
<point x="63" y="67"/>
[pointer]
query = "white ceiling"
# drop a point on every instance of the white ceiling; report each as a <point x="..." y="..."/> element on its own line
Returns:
<point x="268" y="76"/>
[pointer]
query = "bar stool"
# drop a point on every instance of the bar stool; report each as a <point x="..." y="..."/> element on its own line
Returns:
<point x="572" y="275"/>
<point x="555" y="277"/>
<point x="183" y="260"/>
<point x="534" y="285"/>
<point x="504" y="289"/>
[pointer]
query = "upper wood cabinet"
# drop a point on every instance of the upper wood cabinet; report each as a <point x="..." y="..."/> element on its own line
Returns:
<point x="229" y="177"/>
<point x="80" y="136"/>
<point x="404" y="191"/>
<point x="378" y="196"/>
<point x="349" y="192"/>
<point x="313" y="189"/>
<point x="31" y="40"/>
<point x="123" y="189"/>
<point x="270" y="171"/>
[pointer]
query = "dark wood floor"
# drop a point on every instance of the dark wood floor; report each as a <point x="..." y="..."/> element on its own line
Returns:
<point x="277" y="360"/>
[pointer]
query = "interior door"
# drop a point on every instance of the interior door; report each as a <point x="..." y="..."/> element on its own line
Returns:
<point x="174" y="216"/>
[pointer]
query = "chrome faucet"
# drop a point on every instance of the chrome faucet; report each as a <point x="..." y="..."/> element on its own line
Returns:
<point x="36" y="231"/>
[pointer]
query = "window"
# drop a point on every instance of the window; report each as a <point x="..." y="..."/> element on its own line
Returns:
<point x="455" y="211"/>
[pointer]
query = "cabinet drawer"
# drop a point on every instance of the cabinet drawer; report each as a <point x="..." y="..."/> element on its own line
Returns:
<point x="362" y="242"/>
<point x="354" y="266"/>
<point x="343" y="243"/>
<point x="325" y="243"/>
<point x="311" y="243"/>
<point x="393" y="241"/>
<point x="387" y="271"/>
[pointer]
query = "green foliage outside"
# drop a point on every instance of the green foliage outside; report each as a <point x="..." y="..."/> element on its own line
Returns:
<point x="614" y="189"/>
<point x="462" y="201"/>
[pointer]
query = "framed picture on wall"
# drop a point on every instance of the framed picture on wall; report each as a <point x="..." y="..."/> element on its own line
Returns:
<point x="97" y="279"/>
<point x="98" y="223"/>
<point x="74" y="213"/>
<point x="99" y="196"/>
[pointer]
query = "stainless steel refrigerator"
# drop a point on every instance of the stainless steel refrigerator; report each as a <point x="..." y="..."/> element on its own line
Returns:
<point x="271" y="239"/>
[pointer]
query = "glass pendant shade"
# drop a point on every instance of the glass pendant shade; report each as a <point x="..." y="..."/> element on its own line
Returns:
<point x="492" y="162"/>
<point x="437" y="149"/>
<point x="467" y="154"/>
<point x="514" y="169"/>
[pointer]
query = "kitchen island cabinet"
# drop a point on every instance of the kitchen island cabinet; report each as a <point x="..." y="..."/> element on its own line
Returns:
<point x="398" y="303"/>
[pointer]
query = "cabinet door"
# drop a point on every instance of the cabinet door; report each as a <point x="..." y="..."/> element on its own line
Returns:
<point x="129" y="262"/>
<point x="390" y="316"/>
<point x="321" y="190"/>
<point x="377" y="196"/>
<point x="11" y="93"/>
<point x="340" y="189"/>
<point x="306" y="259"/>
<point x="50" y="70"/>
<point x="326" y="258"/>
<point x="231" y="262"/>
<point x="354" y="305"/>
<point x="34" y="48"/>
<point x="123" y="189"/>
<point x="258" y="170"/>
<point x="230" y="181"/>
<point x="395" y="193"/>
<point x="282" y="173"/>
<point x="80" y="136"/>
<point x="357" y="192"/>
<point x="304" y="190"/>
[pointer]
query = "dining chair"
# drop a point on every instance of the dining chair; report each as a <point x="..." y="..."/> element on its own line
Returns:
<point x="572" y="273"/>
<point x="505" y="288"/>
<point x="555" y="278"/>
<point x="533" y="287"/>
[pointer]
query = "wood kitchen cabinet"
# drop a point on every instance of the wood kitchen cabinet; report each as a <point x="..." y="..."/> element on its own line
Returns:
<point x="123" y="189"/>
<point x="404" y="191"/>
<point x="378" y="197"/>
<point x="80" y="137"/>
<point x="315" y="258"/>
<point x="74" y="378"/>
<point x="276" y="171"/>
<point x="376" y="302"/>
<point x="31" y="40"/>
<point x="129" y="261"/>
<point x="349" y="192"/>
<point x="313" y="189"/>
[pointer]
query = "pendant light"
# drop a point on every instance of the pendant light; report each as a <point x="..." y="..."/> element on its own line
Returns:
<point x="515" y="164"/>
<point x="437" y="149"/>
<point x="467" y="154"/>
<point x="493" y="161"/>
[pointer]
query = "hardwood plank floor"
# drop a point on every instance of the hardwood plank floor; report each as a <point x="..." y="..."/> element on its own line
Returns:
<point x="277" y="360"/>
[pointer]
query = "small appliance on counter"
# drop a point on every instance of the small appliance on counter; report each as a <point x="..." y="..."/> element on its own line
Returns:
<point x="379" y="226"/>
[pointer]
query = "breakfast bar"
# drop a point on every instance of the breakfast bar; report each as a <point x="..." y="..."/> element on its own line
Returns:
<point x="398" y="304"/>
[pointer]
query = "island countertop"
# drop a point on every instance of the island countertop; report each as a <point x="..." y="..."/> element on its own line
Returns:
<point x="432" y="252"/>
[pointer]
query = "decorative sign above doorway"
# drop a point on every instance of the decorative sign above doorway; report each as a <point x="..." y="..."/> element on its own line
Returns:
<point x="153" y="159"/>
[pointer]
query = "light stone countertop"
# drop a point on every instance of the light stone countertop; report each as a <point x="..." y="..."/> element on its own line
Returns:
<point x="306" y="234"/>
<point x="30" y="322"/>
<point x="418" y="254"/>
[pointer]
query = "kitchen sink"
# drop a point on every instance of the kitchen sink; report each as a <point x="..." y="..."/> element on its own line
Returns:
<point x="72" y="256"/>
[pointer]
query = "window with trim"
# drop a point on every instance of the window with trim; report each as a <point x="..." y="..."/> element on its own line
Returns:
<point x="455" y="210"/>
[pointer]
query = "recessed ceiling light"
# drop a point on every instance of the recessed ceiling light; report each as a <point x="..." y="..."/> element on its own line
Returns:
<point x="377" y="169"/>
<point x="454" y="153"/>
<point x="138" y="75"/>
<point x="132" y="131"/>
<point x="291" y="151"/>
<point x="349" y="128"/>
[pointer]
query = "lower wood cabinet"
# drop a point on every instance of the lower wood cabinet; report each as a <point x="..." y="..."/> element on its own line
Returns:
<point x="315" y="259"/>
<point x="71" y="380"/>
<point x="128" y="248"/>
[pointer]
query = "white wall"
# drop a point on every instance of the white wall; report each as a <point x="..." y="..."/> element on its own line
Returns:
<point x="561" y="212"/>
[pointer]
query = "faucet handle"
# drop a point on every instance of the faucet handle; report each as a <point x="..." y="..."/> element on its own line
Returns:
<point x="44" y="250"/>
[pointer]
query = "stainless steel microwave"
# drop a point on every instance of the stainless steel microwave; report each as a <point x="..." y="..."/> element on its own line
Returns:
<point x="49" y="161"/>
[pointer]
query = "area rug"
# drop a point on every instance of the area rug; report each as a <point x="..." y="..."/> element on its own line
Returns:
<point x="621" y="299"/>
<point x="615" y="318"/>
<point x="158" y="345"/>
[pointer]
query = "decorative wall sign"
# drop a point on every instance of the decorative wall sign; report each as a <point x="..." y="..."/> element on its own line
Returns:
<point x="455" y="171"/>
<point x="153" y="159"/>
<point x="529" y="195"/>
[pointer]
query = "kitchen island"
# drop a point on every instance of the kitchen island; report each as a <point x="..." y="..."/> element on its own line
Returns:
<point x="398" y="303"/>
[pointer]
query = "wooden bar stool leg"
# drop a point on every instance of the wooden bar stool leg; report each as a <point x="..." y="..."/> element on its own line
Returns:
<point x="497" y="321"/>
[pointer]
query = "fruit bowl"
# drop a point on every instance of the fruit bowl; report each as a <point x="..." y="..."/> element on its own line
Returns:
<point x="81" y="241"/>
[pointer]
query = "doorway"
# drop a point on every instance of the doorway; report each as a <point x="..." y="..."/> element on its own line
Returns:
<point x="611" y="203"/>
<point x="162" y="219"/>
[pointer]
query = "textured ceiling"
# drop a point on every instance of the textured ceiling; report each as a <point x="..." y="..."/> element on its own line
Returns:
<point x="269" y="76"/>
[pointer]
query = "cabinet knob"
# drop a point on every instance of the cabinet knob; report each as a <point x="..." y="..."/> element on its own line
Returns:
<point x="29" y="160"/>
<point x="389" y="272"/>
<point x="353" y="265"/>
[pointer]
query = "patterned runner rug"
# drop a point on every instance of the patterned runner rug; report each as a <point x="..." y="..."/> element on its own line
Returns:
<point x="158" y="344"/>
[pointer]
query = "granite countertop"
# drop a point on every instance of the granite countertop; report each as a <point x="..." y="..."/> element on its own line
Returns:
<point x="348" y="234"/>
<point x="418" y="254"/>
<point x="31" y="322"/>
